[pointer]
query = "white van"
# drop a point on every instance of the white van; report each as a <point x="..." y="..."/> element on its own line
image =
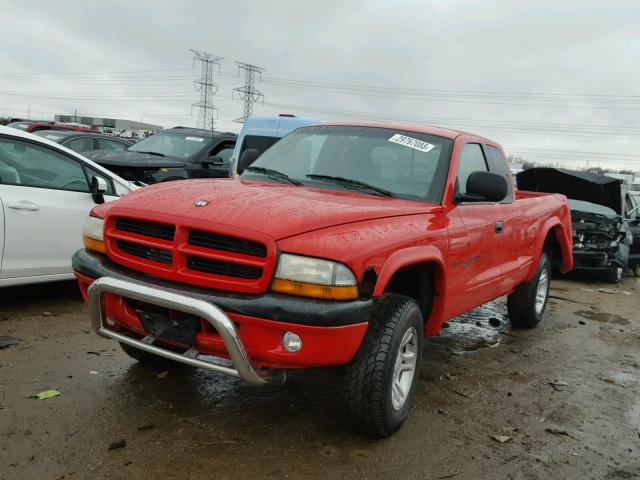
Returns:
<point x="260" y="133"/>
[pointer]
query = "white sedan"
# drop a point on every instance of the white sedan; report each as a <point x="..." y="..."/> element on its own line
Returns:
<point x="46" y="193"/>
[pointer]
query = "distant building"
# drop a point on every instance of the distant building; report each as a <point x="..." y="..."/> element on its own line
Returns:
<point x="115" y="123"/>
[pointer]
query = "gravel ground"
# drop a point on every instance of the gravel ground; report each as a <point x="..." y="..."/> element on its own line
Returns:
<point x="563" y="397"/>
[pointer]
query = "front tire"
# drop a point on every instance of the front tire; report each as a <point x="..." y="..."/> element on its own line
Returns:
<point x="527" y="303"/>
<point x="636" y="270"/>
<point x="380" y="381"/>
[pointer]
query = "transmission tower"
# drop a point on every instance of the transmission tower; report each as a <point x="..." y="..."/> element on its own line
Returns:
<point x="248" y="92"/>
<point x="206" y="87"/>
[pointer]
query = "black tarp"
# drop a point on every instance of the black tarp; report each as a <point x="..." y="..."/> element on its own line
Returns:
<point x="585" y="186"/>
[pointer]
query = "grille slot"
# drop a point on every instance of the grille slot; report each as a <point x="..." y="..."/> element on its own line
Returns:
<point x="148" y="253"/>
<point x="229" y="244"/>
<point x="148" y="229"/>
<point x="227" y="269"/>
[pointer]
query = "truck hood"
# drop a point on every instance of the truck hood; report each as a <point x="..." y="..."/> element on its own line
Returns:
<point x="278" y="210"/>
<point x="585" y="186"/>
<point x="126" y="158"/>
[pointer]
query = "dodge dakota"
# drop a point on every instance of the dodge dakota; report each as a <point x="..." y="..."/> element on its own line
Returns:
<point x="342" y="245"/>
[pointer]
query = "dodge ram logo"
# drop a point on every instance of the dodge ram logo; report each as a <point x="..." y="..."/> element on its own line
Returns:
<point x="200" y="203"/>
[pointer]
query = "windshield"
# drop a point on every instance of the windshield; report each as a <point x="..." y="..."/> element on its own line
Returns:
<point x="376" y="160"/>
<point x="588" y="207"/>
<point x="48" y="134"/>
<point x="171" y="144"/>
<point x="19" y="126"/>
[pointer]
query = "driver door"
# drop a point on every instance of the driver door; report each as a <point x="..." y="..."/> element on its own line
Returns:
<point x="45" y="197"/>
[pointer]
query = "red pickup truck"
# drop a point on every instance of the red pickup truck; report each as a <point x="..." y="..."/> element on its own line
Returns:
<point x="342" y="245"/>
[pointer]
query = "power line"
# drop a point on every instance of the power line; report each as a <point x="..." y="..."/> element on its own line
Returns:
<point x="248" y="92"/>
<point x="71" y="74"/>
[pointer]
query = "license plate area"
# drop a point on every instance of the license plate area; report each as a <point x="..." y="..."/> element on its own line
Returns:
<point x="168" y="324"/>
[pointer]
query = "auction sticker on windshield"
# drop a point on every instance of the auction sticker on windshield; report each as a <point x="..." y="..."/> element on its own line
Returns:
<point x="194" y="139"/>
<point x="412" y="143"/>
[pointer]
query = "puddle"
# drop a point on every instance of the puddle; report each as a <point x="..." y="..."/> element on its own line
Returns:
<point x="603" y="317"/>
<point x="479" y="328"/>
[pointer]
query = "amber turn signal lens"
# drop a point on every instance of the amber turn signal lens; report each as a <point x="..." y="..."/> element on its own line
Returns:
<point x="95" y="245"/>
<point x="313" y="290"/>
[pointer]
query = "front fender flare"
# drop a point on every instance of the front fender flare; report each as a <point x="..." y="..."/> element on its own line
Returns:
<point x="412" y="256"/>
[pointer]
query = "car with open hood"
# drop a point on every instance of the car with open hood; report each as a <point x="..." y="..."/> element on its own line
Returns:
<point x="601" y="236"/>
<point x="632" y="215"/>
<point x="173" y="154"/>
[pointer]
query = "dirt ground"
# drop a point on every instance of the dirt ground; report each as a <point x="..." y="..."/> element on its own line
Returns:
<point x="564" y="396"/>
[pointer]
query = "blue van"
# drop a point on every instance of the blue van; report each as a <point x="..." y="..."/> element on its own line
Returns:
<point x="261" y="132"/>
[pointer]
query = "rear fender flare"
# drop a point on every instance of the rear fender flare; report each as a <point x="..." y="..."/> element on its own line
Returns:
<point x="564" y="241"/>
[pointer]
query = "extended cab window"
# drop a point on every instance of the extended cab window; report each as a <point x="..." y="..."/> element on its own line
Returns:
<point x="498" y="165"/>
<point x="29" y="165"/>
<point x="471" y="160"/>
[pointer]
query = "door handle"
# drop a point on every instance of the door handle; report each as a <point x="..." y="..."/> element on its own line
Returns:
<point x="23" y="205"/>
<point x="498" y="228"/>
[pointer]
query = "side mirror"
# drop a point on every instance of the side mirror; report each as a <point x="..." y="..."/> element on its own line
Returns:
<point x="98" y="188"/>
<point x="484" y="187"/>
<point x="214" y="161"/>
<point x="247" y="158"/>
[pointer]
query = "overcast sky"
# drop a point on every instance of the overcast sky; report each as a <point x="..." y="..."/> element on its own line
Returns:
<point x="549" y="80"/>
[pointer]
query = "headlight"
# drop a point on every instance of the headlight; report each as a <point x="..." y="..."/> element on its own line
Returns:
<point x="314" y="277"/>
<point x="92" y="234"/>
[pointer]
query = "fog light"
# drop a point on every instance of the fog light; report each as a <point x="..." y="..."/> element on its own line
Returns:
<point x="291" y="342"/>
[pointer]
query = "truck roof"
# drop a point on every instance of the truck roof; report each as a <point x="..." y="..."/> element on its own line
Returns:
<point x="201" y="132"/>
<point x="429" y="130"/>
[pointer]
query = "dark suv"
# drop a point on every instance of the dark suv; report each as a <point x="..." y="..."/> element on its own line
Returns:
<point x="174" y="154"/>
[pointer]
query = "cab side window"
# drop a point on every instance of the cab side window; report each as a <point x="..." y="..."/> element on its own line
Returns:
<point x="28" y="165"/>
<point x="471" y="160"/>
<point x="498" y="165"/>
<point x="224" y="151"/>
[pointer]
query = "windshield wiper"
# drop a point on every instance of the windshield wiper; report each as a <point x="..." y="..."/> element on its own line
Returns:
<point x="151" y="153"/>
<point x="350" y="182"/>
<point x="269" y="172"/>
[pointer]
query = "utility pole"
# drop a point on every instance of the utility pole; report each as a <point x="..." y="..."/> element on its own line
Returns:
<point x="248" y="92"/>
<point x="206" y="87"/>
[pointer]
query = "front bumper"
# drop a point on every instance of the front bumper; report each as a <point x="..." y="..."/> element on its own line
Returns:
<point x="600" y="260"/>
<point x="591" y="261"/>
<point x="211" y="314"/>
<point x="245" y="329"/>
